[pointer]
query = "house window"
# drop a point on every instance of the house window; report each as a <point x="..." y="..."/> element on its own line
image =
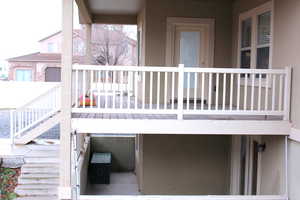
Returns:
<point x="255" y="38"/>
<point x="23" y="75"/>
<point x="51" y="47"/>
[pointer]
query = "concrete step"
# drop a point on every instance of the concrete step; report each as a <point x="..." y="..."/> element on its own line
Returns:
<point x="38" y="198"/>
<point x="43" y="154"/>
<point x="37" y="187"/>
<point x="42" y="160"/>
<point x="41" y="165"/>
<point x="36" y="192"/>
<point x="37" y="147"/>
<point x="40" y="170"/>
<point x="39" y="176"/>
<point x="36" y="181"/>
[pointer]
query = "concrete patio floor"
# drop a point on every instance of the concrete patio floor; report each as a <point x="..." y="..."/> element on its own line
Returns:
<point x="122" y="183"/>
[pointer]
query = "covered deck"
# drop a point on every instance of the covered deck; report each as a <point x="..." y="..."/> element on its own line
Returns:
<point x="184" y="100"/>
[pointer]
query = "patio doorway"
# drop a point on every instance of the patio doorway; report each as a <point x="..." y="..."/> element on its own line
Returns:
<point x="190" y="41"/>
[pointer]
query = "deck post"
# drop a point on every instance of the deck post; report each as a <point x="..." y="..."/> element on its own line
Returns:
<point x="65" y="189"/>
<point x="287" y="93"/>
<point x="180" y="91"/>
<point x="88" y="55"/>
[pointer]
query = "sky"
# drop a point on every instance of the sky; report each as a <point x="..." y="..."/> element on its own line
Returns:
<point x="24" y="22"/>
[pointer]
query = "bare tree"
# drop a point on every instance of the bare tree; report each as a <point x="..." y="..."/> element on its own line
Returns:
<point x="110" y="45"/>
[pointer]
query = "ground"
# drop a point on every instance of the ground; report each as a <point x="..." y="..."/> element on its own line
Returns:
<point x="8" y="182"/>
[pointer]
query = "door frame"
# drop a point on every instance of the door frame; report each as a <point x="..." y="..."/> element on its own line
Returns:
<point x="173" y="22"/>
<point x="235" y="177"/>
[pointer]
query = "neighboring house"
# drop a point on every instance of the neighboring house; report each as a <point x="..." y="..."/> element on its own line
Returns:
<point x="3" y="72"/>
<point x="45" y="64"/>
<point x="211" y="115"/>
<point x="37" y="67"/>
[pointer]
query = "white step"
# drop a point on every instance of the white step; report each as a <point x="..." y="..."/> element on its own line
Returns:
<point x="38" y="198"/>
<point x="40" y="170"/>
<point x="37" y="187"/>
<point x="39" y="176"/>
<point x="49" y="181"/>
<point x="36" y="192"/>
<point x="41" y="165"/>
<point x="43" y="160"/>
<point x="43" y="154"/>
<point x="38" y="147"/>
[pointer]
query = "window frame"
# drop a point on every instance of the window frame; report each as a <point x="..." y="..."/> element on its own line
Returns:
<point x="23" y="70"/>
<point x="253" y="14"/>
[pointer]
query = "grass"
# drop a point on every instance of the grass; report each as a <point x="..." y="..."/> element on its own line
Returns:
<point x="8" y="182"/>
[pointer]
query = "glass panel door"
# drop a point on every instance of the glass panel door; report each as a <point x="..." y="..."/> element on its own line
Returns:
<point x="189" y="54"/>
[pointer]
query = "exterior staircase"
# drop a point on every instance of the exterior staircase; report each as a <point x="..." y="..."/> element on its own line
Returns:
<point x="39" y="177"/>
<point x="32" y="119"/>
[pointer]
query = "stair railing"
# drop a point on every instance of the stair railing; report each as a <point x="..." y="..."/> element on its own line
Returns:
<point x="25" y="117"/>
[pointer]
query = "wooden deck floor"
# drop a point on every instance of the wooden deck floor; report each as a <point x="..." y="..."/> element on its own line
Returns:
<point x="172" y="117"/>
<point x="125" y="108"/>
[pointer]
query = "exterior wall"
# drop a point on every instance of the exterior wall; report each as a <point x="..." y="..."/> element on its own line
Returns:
<point x="185" y="165"/>
<point x="287" y="47"/>
<point x="157" y="12"/>
<point x="21" y="65"/>
<point x="38" y="69"/>
<point x="55" y="40"/>
<point x="84" y="171"/>
<point x="155" y="22"/>
<point x="122" y="149"/>
<point x="273" y="166"/>
<point x="294" y="172"/>
<point x="286" y="50"/>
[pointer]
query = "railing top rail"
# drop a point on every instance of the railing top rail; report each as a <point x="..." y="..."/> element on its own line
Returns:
<point x="38" y="97"/>
<point x="176" y="69"/>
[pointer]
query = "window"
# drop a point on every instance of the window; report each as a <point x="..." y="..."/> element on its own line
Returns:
<point x="255" y="38"/>
<point x="51" y="47"/>
<point x="23" y="75"/>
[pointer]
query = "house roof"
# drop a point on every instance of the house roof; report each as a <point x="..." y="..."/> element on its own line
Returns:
<point x="43" y="57"/>
<point x="76" y="32"/>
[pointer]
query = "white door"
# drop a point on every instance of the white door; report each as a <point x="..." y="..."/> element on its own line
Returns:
<point x="192" y="50"/>
<point x="190" y="41"/>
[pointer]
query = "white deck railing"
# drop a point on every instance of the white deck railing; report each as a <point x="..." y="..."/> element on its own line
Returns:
<point x="182" y="90"/>
<point x="34" y="112"/>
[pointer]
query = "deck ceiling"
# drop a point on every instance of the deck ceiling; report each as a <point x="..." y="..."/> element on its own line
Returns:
<point x="109" y="11"/>
<point x="116" y="7"/>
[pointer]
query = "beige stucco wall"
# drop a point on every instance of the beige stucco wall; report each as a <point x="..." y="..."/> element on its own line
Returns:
<point x="121" y="148"/>
<point x="186" y="165"/>
<point x="294" y="172"/>
<point x="157" y="12"/>
<point x="286" y="41"/>
<point x="273" y="166"/>
<point x="287" y="47"/>
<point x="84" y="171"/>
<point x="155" y="17"/>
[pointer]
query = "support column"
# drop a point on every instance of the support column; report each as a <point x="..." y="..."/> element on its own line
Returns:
<point x="88" y="55"/>
<point x="66" y="100"/>
<point x="88" y="44"/>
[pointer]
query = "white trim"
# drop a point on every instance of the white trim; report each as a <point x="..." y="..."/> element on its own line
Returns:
<point x="198" y="127"/>
<point x="295" y="134"/>
<point x="235" y="175"/>
<point x="180" y="197"/>
<point x="269" y="6"/>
